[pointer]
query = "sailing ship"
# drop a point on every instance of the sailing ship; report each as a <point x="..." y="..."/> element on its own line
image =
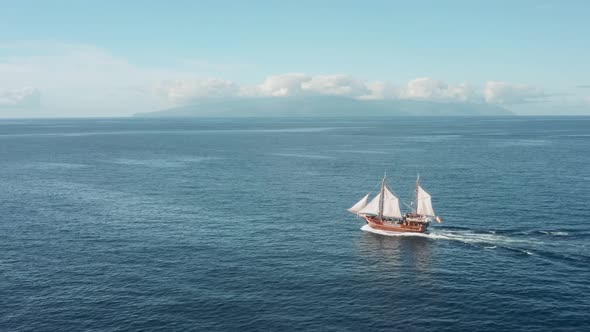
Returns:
<point x="383" y="211"/>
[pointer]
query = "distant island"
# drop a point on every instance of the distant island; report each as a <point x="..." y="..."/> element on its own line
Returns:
<point x="324" y="106"/>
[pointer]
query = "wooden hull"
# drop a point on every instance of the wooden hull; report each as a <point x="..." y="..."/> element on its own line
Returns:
<point x="411" y="227"/>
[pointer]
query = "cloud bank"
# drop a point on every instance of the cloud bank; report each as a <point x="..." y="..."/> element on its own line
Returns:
<point x="298" y="84"/>
<point x="77" y="78"/>
<point x="511" y="93"/>
<point x="189" y="90"/>
<point x="26" y="97"/>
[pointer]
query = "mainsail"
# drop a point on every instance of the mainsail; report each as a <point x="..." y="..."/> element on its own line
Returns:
<point x="360" y="204"/>
<point x="424" y="203"/>
<point x="390" y="205"/>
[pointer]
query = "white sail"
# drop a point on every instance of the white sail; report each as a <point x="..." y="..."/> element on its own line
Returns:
<point x="424" y="203"/>
<point x="391" y="205"/>
<point x="360" y="204"/>
<point x="372" y="208"/>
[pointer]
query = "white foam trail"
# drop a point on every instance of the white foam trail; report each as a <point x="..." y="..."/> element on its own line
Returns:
<point x="463" y="236"/>
<point x="431" y="235"/>
<point x="556" y="233"/>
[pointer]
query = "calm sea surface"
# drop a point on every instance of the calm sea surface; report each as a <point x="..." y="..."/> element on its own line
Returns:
<point x="241" y="224"/>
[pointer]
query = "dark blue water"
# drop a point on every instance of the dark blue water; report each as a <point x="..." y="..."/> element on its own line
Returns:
<point x="225" y="225"/>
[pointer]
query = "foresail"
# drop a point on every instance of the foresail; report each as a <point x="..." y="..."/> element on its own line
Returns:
<point x="391" y="205"/>
<point x="424" y="203"/>
<point x="372" y="208"/>
<point x="360" y="204"/>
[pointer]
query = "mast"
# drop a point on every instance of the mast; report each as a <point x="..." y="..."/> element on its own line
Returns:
<point x="417" y="186"/>
<point x="381" y="200"/>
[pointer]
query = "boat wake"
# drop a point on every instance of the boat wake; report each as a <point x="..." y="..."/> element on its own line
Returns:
<point x="461" y="235"/>
<point x="489" y="240"/>
<point x="533" y="243"/>
<point x="556" y="233"/>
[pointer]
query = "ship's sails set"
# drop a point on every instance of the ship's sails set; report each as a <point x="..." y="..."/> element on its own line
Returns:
<point x="424" y="203"/>
<point x="388" y="202"/>
<point x="383" y="211"/>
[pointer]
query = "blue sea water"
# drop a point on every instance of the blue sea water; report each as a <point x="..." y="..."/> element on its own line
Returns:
<point x="241" y="224"/>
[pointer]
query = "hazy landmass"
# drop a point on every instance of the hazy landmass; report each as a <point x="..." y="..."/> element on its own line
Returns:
<point x="325" y="106"/>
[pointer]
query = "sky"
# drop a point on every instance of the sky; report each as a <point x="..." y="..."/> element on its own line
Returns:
<point x="115" y="58"/>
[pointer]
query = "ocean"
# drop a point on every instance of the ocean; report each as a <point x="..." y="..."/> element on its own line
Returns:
<point x="134" y="224"/>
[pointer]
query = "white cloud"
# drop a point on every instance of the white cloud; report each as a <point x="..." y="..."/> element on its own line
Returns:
<point x="425" y="88"/>
<point x="432" y="89"/>
<point x="297" y="84"/>
<point x="381" y="90"/>
<point x="511" y="93"/>
<point x="20" y="98"/>
<point x="188" y="90"/>
<point x="284" y="85"/>
<point x="336" y="85"/>
<point x="464" y="92"/>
